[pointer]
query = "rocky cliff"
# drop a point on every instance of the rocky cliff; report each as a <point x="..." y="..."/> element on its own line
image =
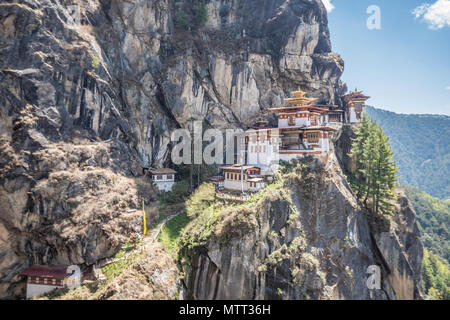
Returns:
<point x="90" y="91"/>
<point x="303" y="237"/>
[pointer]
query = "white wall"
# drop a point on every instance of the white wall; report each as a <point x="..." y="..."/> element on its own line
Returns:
<point x="282" y="123"/>
<point x="164" y="185"/>
<point x="324" y="144"/>
<point x="259" y="186"/>
<point x="35" y="290"/>
<point x="352" y="115"/>
<point x="235" y="185"/>
<point x="263" y="160"/>
<point x="300" y="122"/>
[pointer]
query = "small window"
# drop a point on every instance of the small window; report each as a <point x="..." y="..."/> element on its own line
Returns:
<point x="158" y="177"/>
<point x="169" y="176"/>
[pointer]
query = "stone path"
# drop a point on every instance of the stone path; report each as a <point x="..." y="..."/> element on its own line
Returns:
<point x="147" y="242"/>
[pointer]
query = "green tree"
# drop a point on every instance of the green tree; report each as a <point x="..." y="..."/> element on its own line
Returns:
<point x="201" y="14"/>
<point x="375" y="167"/>
<point x="362" y="133"/>
<point x="384" y="175"/>
<point x="180" y="191"/>
<point x="200" y="200"/>
<point x="181" y="22"/>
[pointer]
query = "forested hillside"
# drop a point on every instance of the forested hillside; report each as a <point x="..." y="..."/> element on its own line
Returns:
<point x="422" y="150"/>
<point x="436" y="277"/>
<point x="434" y="220"/>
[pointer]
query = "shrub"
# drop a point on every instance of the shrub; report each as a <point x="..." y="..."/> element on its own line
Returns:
<point x="181" y="22"/>
<point x="95" y="62"/>
<point x="200" y="200"/>
<point x="201" y="14"/>
<point x="180" y="191"/>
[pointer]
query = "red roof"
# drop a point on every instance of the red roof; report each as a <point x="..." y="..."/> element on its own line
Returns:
<point x="57" y="272"/>
<point x="162" y="171"/>
<point x="355" y="95"/>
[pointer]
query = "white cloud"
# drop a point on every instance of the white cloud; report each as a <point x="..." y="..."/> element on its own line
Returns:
<point x="436" y="15"/>
<point x="329" y="6"/>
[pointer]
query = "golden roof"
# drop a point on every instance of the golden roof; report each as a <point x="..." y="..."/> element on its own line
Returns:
<point x="300" y="99"/>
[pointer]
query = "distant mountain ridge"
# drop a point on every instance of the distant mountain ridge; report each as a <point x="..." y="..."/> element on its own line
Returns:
<point x="422" y="148"/>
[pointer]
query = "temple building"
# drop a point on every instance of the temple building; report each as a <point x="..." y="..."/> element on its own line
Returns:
<point x="304" y="128"/>
<point x="163" y="178"/>
<point x="302" y="112"/>
<point x="354" y="104"/>
<point x="44" y="279"/>
<point x="243" y="178"/>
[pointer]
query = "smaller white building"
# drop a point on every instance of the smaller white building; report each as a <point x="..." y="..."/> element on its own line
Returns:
<point x="44" y="279"/>
<point x="163" y="178"/>
<point x="243" y="178"/>
<point x="355" y="103"/>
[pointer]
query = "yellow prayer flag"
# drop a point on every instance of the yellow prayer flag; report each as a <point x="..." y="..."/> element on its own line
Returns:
<point x="145" y="223"/>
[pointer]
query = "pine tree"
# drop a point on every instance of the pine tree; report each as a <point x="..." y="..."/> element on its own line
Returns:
<point x="368" y="164"/>
<point x="201" y="14"/>
<point x="362" y="133"/>
<point x="375" y="167"/>
<point x="385" y="174"/>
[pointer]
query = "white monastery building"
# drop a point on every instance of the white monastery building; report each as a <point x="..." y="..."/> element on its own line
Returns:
<point x="163" y="178"/>
<point x="243" y="178"/>
<point x="304" y="128"/>
<point x="43" y="279"/>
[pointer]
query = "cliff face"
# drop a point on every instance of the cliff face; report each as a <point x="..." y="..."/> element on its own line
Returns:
<point x="123" y="70"/>
<point x="90" y="90"/>
<point x="306" y="238"/>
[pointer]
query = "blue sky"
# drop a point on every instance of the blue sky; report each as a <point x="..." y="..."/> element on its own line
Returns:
<point x="404" y="66"/>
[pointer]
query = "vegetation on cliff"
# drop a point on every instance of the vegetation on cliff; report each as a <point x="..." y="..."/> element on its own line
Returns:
<point x="149" y="274"/>
<point x="223" y="219"/>
<point x="189" y="15"/>
<point x="265" y="219"/>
